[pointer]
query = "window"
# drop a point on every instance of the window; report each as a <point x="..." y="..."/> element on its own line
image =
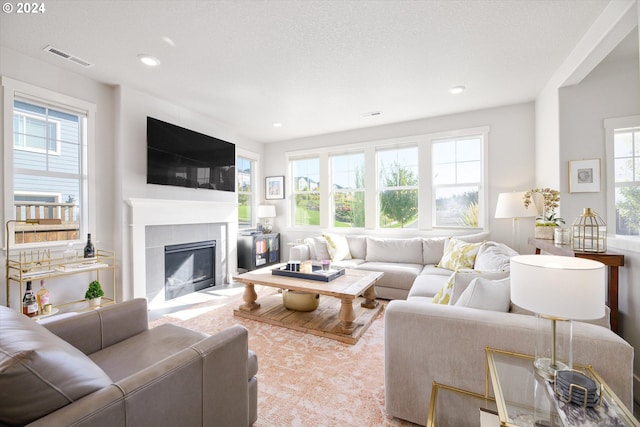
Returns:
<point x="624" y="152"/>
<point x="47" y="169"/>
<point x="457" y="174"/>
<point x="246" y="168"/>
<point x="35" y="128"/>
<point x="347" y="183"/>
<point x="306" y="191"/>
<point x="398" y="187"/>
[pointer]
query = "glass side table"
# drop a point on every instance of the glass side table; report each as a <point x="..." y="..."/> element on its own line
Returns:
<point x="525" y="399"/>
<point x="454" y="407"/>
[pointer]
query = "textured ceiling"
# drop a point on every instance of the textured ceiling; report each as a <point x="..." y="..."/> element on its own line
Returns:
<point x="314" y="66"/>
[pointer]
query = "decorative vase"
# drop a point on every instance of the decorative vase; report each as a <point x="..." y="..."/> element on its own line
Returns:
<point x="544" y="232"/>
<point x="95" y="302"/>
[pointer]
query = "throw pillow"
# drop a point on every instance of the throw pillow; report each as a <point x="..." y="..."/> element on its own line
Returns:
<point x="494" y="256"/>
<point x="338" y="246"/>
<point x="463" y="279"/>
<point x="485" y="294"/>
<point x="458" y="254"/>
<point x="443" y="296"/>
<point x="39" y="371"/>
<point x="317" y="248"/>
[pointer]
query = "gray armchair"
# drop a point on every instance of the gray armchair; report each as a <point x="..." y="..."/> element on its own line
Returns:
<point x="107" y="368"/>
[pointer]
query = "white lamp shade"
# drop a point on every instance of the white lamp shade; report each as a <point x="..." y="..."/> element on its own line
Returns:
<point x="558" y="286"/>
<point x="511" y="205"/>
<point x="266" y="211"/>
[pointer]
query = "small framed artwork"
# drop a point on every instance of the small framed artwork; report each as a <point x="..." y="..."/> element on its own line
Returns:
<point x="584" y="176"/>
<point x="274" y="187"/>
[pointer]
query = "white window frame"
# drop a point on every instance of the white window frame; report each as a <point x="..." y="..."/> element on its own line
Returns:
<point x="14" y="88"/>
<point x="24" y="146"/>
<point x="379" y="189"/>
<point x="615" y="241"/>
<point x="323" y="191"/>
<point x="483" y="134"/>
<point x="333" y="190"/>
<point x="425" y="203"/>
<point x="256" y="189"/>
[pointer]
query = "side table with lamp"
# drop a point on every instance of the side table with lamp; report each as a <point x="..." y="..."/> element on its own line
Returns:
<point x="588" y="241"/>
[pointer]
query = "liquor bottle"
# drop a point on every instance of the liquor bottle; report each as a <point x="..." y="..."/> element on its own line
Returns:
<point x="29" y="302"/>
<point x="42" y="297"/>
<point x="89" y="250"/>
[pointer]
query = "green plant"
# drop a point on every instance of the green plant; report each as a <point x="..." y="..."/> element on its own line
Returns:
<point x="94" y="290"/>
<point x="550" y="201"/>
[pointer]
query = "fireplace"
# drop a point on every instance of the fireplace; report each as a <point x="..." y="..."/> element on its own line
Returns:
<point x="189" y="267"/>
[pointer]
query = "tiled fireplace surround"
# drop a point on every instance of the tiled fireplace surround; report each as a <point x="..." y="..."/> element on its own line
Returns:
<point x="156" y="223"/>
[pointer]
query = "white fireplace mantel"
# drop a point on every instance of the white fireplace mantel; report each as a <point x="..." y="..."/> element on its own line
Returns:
<point x="149" y="212"/>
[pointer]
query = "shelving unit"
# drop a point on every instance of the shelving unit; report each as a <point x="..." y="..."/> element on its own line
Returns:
<point x="258" y="250"/>
<point x="40" y="265"/>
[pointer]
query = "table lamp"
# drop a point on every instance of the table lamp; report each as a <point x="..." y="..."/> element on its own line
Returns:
<point x="511" y="205"/>
<point x="558" y="289"/>
<point x="265" y="213"/>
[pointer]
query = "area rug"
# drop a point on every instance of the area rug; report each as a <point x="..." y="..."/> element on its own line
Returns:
<point x="303" y="379"/>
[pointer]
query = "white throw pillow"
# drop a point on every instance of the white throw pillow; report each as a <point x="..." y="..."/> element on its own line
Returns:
<point x="494" y="256"/>
<point x="338" y="246"/>
<point x="485" y="294"/>
<point x="317" y="248"/>
<point x="463" y="279"/>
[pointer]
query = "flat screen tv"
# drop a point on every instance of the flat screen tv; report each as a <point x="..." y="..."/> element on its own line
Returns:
<point x="184" y="158"/>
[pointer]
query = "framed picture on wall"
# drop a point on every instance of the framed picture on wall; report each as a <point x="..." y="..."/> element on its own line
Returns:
<point x="274" y="187"/>
<point x="584" y="176"/>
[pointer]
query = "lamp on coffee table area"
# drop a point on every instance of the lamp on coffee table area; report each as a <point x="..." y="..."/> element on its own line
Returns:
<point x="558" y="289"/>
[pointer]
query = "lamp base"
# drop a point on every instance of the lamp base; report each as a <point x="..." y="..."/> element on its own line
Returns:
<point x="547" y="369"/>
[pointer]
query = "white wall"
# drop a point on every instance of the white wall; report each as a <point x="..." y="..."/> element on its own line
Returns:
<point x="510" y="152"/>
<point x="611" y="90"/>
<point x="38" y="73"/>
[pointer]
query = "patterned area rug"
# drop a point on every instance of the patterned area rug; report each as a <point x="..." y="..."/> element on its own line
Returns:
<point x="303" y="379"/>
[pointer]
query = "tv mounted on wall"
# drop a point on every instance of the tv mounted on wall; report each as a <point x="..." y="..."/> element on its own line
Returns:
<point x="184" y="158"/>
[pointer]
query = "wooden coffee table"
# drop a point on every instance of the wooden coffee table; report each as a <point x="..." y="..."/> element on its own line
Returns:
<point x="336" y="317"/>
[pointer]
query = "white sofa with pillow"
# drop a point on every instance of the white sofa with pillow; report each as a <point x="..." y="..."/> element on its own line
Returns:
<point x="417" y="266"/>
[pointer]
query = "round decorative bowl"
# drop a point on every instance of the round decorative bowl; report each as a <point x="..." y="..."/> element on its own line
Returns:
<point x="300" y="301"/>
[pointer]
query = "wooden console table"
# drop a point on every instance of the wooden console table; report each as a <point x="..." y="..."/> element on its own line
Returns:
<point x="611" y="260"/>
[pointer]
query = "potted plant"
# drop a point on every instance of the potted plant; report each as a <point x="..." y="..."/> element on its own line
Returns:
<point x="548" y="221"/>
<point x="94" y="293"/>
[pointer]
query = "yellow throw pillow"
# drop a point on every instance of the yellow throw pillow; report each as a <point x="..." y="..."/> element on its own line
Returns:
<point x="443" y="296"/>
<point x="458" y="254"/>
<point x="337" y="246"/>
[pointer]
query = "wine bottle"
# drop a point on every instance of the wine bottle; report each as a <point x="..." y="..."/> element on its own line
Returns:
<point x="89" y="250"/>
<point x="42" y="297"/>
<point x="29" y="302"/>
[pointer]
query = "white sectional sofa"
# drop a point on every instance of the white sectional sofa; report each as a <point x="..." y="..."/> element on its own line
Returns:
<point x="427" y="342"/>
<point x="403" y="261"/>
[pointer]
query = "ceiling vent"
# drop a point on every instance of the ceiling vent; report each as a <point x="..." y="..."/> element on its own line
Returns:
<point x="68" y="56"/>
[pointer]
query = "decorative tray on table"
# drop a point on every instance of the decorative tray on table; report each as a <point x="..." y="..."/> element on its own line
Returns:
<point x="317" y="273"/>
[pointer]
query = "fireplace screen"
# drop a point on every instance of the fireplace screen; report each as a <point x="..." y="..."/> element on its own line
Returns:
<point x="188" y="268"/>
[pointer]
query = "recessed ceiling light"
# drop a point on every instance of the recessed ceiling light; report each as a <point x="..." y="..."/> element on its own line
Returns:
<point x="277" y="125"/>
<point x="456" y="90"/>
<point x="149" y="60"/>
